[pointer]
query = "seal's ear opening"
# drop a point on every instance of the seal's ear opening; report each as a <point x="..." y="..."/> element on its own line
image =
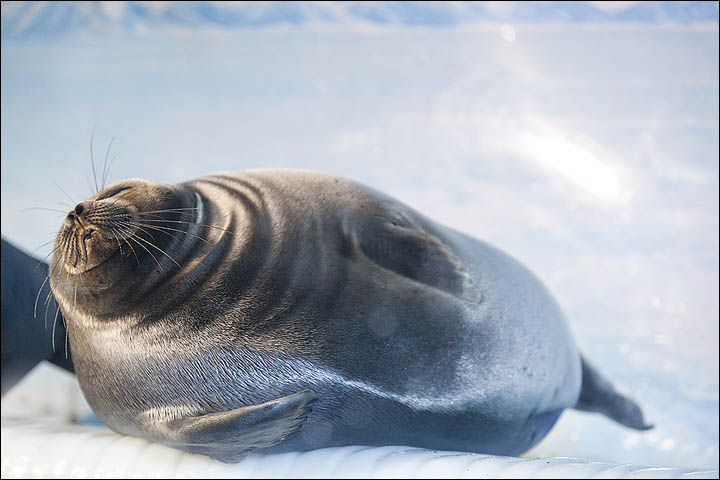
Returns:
<point x="598" y="395"/>
<point x="230" y="436"/>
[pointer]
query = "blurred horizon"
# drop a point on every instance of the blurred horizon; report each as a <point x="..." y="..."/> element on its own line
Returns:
<point x="23" y="21"/>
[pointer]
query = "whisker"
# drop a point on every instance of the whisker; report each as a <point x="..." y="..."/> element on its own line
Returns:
<point x="113" y="231"/>
<point x="155" y="214"/>
<point x="158" y="227"/>
<point x="47" y="305"/>
<point x="46" y="256"/>
<point x="88" y="182"/>
<point x="42" y="208"/>
<point x="134" y="237"/>
<point x="51" y="271"/>
<point x="171" y="210"/>
<point x="47" y="298"/>
<point x="38" y="248"/>
<point x="140" y="227"/>
<point x="92" y="160"/>
<point x="158" y="248"/>
<point x="57" y="310"/>
<point x="199" y="224"/>
<point x="103" y="210"/>
<point x="37" y="297"/>
<point x="146" y="232"/>
<point x="66" y="194"/>
<point x="61" y="247"/>
<point x="77" y="277"/>
<point x="112" y="160"/>
<point x="105" y="172"/>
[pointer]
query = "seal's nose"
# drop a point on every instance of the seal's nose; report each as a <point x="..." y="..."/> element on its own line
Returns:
<point x="77" y="211"/>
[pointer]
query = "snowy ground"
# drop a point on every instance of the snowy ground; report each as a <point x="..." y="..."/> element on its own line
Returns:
<point x="588" y="152"/>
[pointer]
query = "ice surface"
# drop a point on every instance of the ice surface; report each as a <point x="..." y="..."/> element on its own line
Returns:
<point x="589" y="152"/>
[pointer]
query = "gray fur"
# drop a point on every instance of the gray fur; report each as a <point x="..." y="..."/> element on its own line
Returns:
<point x="400" y="330"/>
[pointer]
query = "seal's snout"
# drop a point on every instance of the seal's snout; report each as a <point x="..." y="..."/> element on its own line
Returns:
<point x="92" y="233"/>
<point x="78" y="211"/>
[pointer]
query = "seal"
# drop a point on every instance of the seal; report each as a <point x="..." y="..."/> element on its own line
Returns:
<point x="289" y="310"/>
<point x="26" y="342"/>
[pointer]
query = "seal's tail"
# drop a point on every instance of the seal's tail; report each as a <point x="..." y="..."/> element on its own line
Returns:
<point x="598" y="395"/>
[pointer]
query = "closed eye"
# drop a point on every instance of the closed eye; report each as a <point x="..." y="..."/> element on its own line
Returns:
<point x="113" y="192"/>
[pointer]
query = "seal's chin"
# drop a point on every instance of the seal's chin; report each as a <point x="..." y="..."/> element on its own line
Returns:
<point x="88" y="253"/>
<point x="97" y="262"/>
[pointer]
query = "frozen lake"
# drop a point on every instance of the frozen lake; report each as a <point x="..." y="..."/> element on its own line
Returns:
<point x="590" y="153"/>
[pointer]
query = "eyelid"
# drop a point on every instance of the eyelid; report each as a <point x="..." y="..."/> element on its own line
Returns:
<point x="112" y="193"/>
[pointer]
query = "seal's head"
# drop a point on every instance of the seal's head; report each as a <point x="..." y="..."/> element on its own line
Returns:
<point x="92" y="231"/>
<point x="131" y="220"/>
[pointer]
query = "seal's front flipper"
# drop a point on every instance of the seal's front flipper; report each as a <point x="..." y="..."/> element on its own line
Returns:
<point x="598" y="395"/>
<point x="229" y="436"/>
<point x="398" y="245"/>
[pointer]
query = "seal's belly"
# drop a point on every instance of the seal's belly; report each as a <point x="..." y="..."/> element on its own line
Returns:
<point x="509" y="347"/>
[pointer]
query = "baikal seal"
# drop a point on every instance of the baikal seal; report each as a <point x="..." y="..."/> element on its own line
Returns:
<point x="288" y="310"/>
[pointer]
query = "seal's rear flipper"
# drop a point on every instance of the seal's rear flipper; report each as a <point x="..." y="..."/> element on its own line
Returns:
<point x="229" y="436"/>
<point x="598" y="395"/>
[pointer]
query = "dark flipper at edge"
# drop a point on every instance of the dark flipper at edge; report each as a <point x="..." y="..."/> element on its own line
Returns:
<point x="27" y="337"/>
<point x="598" y="395"/>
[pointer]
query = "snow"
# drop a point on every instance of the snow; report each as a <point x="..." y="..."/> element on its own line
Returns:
<point x="588" y="151"/>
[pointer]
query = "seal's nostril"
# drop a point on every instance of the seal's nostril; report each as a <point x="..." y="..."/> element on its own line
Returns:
<point x="79" y="208"/>
<point x="71" y="216"/>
